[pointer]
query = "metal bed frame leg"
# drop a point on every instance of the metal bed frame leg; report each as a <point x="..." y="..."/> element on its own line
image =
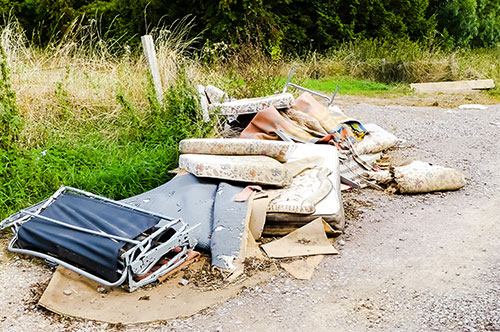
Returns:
<point x="296" y="86"/>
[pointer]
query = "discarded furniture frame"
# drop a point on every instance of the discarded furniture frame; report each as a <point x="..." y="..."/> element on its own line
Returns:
<point x="293" y="85"/>
<point x="252" y="105"/>
<point x="107" y="241"/>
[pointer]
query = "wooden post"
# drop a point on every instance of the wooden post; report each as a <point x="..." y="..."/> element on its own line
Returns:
<point x="150" y="53"/>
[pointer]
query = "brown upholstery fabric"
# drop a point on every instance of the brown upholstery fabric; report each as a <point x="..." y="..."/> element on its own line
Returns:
<point x="265" y="124"/>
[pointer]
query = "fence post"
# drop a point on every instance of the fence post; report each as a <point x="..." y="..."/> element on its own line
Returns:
<point x="150" y="53"/>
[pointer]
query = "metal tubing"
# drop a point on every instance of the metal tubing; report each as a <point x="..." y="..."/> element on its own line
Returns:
<point x="79" y="191"/>
<point x="67" y="265"/>
<point x="334" y="94"/>
<point x="308" y="90"/>
<point x="289" y="79"/>
<point x="287" y="84"/>
<point x="81" y="229"/>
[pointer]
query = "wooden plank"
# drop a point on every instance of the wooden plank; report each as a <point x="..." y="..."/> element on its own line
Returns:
<point x="456" y="86"/>
<point x="150" y="53"/>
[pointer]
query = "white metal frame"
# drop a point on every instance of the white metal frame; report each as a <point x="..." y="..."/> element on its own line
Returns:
<point x="137" y="261"/>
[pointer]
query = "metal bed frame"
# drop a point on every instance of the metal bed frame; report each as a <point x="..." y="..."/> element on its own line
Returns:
<point x="138" y="259"/>
<point x="293" y="85"/>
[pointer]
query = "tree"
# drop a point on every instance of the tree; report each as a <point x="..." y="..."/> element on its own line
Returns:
<point x="488" y="14"/>
<point x="458" y="18"/>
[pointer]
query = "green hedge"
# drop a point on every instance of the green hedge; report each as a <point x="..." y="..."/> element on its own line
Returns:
<point x="280" y="25"/>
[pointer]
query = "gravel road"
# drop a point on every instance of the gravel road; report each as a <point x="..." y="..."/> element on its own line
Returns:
<point x="407" y="263"/>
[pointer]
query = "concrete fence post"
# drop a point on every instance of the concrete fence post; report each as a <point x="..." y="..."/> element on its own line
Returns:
<point x="150" y="53"/>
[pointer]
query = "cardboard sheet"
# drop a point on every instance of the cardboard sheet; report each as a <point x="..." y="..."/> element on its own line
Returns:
<point x="303" y="268"/>
<point x="252" y="249"/>
<point x="166" y="301"/>
<point x="308" y="240"/>
<point x="258" y="216"/>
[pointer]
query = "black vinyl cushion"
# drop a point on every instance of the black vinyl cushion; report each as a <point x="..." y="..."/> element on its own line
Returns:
<point x="95" y="253"/>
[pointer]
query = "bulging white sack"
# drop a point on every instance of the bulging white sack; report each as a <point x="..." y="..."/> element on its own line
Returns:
<point x="421" y="177"/>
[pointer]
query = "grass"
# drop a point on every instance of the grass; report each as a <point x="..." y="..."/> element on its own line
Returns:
<point x="349" y="86"/>
<point x="82" y="111"/>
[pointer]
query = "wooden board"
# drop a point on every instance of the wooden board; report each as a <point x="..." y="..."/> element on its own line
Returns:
<point x="457" y="86"/>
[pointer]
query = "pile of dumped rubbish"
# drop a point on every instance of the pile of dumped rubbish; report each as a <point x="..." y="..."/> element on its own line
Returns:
<point x="279" y="171"/>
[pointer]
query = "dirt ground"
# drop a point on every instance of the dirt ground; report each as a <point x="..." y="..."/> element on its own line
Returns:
<point x="406" y="263"/>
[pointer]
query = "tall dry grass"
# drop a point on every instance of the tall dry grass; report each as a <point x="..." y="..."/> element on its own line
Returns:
<point x="85" y="78"/>
<point x="76" y="80"/>
<point x="400" y="62"/>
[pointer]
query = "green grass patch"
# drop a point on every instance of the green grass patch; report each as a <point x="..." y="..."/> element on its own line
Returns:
<point x="104" y="167"/>
<point x="347" y="87"/>
<point x="100" y="166"/>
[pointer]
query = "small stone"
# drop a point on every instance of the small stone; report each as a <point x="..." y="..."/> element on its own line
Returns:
<point x="183" y="282"/>
<point x="67" y="292"/>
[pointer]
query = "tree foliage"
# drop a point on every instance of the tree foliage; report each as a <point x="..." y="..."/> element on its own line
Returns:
<point x="279" y="25"/>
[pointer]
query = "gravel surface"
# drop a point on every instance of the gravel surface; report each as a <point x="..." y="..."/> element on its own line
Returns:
<point x="408" y="263"/>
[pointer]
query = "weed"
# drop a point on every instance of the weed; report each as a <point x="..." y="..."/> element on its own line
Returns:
<point x="10" y="120"/>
